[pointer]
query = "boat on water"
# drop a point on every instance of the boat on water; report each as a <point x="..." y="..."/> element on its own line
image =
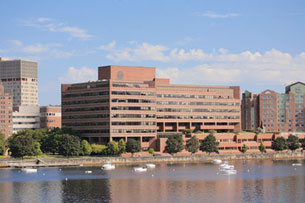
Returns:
<point x="140" y="169"/>
<point x="217" y="161"/>
<point x="296" y="164"/>
<point x="149" y="165"/>
<point x="29" y="170"/>
<point x="108" y="166"/>
<point x="225" y="167"/>
<point x="88" y="171"/>
<point x="229" y="171"/>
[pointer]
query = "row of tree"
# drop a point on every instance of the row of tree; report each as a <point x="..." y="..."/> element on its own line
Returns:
<point x="175" y="144"/>
<point x="62" y="142"/>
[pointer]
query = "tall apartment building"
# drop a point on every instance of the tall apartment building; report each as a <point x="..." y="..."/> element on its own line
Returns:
<point x="130" y="102"/>
<point x="249" y="107"/>
<point x="6" y="107"/>
<point x="20" y="77"/>
<point x="50" y="116"/>
<point x="283" y="112"/>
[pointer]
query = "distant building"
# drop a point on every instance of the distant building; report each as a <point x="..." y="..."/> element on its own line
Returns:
<point x="130" y="102"/>
<point x="282" y="112"/>
<point x="20" y="77"/>
<point x="6" y="108"/>
<point x="26" y="117"/>
<point x="249" y="109"/>
<point x="50" y="116"/>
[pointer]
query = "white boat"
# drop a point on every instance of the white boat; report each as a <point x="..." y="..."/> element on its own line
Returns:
<point x="140" y="169"/>
<point x="229" y="171"/>
<point x="296" y="164"/>
<point x="217" y="161"/>
<point x="88" y="171"/>
<point x="108" y="166"/>
<point x="226" y="167"/>
<point x="29" y="170"/>
<point x="150" y="165"/>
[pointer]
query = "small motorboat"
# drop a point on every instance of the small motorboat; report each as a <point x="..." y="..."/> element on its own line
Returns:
<point x="229" y="171"/>
<point x="296" y="164"/>
<point x="88" y="171"/>
<point x="217" y="161"/>
<point x="226" y="167"/>
<point x="108" y="166"/>
<point x="140" y="169"/>
<point x="150" y="165"/>
<point x="29" y="170"/>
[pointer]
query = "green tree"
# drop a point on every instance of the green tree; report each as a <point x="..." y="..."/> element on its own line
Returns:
<point x="192" y="145"/>
<point x="50" y="143"/>
<point x="21" y="145"/>
<point x="262" y="148"/>
<point x="37" y="151"/>
<point x="112" y="148"/>
<point x="209" y="144"/>
<point x="2" y="144"/>
<point x="133" y="146"/>
<point x="151" y="150"/>
<point x="303" y="144"/>
<point x="85" y="148"/>
<point x="174" y="144"/>
<point x="68" y="145"/>
<point x="293" y="142"/>
<point x="122" y="146"/>
<point x="279" y="144"/>
<point x="244" y="148"/>
<point x="98" y="149"/>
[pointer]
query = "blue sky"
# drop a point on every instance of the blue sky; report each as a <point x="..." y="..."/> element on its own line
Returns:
<point x="257" y="45"/>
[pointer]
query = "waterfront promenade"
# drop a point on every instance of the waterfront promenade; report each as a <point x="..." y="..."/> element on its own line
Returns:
<point x="92" y="161"/>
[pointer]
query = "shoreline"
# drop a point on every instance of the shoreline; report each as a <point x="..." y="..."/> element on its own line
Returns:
<point x="95" y="161"/>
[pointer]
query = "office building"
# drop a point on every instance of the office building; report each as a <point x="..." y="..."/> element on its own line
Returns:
<point x="6" y="108"/>
<point x="50" y="117"/>
<point x="130" y="102"/>
<point x="26" y="117"/>
<point x="20" y="77"/>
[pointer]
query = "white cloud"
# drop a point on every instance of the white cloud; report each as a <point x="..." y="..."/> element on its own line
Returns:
<point x="108" y="47"/>
<point x="216" y="67"/>
<point x="52" y="26"/>
<point x="75" y="75"/>
<point x="211" y="14"/>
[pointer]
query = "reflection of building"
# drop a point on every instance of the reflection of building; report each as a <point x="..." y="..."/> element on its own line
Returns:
<point x="130" y="102"/>
<point x="6" y="105"/>
<point x="20" y="78"/>
<point x="50" y="116"/>
<point x="277" y="112"/>
<point x="26" y="117"/>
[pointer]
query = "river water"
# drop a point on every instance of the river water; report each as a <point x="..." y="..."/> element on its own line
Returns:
<point x="255" y="181"/>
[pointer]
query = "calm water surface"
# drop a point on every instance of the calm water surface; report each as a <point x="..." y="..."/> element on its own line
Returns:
<point x="255" y="181"/>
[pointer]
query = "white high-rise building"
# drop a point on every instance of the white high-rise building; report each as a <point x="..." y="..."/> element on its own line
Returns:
<point x="20" y="78"/>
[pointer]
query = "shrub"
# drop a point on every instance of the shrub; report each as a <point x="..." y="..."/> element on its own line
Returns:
<point x="151" y="150"/>
<point x="85" y="148"/>
<point x="98" y="149"/>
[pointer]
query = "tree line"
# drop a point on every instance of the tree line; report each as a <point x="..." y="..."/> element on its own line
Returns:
<point x="175" y="144"/>
<point x="61" y="142"/>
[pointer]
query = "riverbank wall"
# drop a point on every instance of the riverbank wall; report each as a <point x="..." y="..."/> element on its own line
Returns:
<point x="94" y="161"/>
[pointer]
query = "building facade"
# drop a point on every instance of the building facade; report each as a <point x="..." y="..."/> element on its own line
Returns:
<point x="6" y="109"/>
<point x="50" y="117"/>
<point x="249" y="107"/>
<point x="20" y="78"/>
<point x="26" y="117"/>
<point x="279" y="112"/>
<point x="130" y="102"/>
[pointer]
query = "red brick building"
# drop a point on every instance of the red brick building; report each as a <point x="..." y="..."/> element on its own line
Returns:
<point x="130" y="102"/>
<point x="276" y="112"/>
<point x="50" y="116"/>
<point x="6" y="105"/>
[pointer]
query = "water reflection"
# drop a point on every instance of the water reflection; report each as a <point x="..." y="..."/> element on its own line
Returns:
<point x="256" y="181"/>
